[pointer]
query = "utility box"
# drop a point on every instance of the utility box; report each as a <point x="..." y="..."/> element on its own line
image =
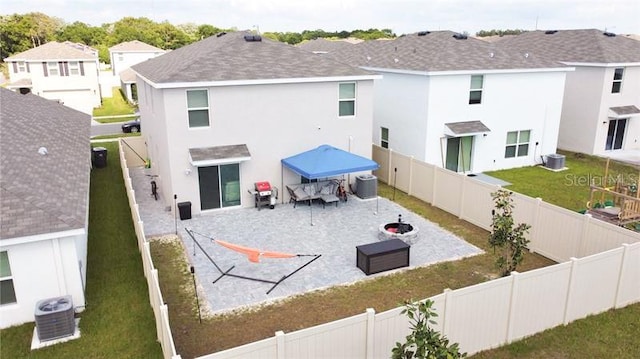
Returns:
<point x="382" y="256"/>
<point x="99" y="157"/>
<point x="555" y="161"/>
<point x="366" y="186"/>
<point x="185" y="210"/>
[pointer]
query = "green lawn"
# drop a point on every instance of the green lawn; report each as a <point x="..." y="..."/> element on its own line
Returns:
<point x="569" y="188"/>
<point x="118" y="321"/>
<point x="115" y="105"/>
<point x="107" y="137"/>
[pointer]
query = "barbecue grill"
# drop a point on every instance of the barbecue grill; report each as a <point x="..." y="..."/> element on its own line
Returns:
<point x="264" y="195"/>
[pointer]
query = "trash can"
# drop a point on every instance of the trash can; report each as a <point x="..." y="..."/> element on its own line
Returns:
<point x="185" y="210"/>
<point x="99" y="157"/>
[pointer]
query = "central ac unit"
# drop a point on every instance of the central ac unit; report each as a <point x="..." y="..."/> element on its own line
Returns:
<point x="555" y="161"/>
<point x="55" y="318"/>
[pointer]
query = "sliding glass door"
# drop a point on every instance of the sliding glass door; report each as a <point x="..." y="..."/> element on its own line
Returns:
<point x="219" y="186"/>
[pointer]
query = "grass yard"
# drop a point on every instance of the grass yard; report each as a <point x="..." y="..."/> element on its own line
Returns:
<point x="108" y="137"/>
<point x="116" y="105"/>
<point x="118" y="321"/>
<point x="613" y="334"/>
<point x="225" y="331"/>
<point x="569" y="188"/>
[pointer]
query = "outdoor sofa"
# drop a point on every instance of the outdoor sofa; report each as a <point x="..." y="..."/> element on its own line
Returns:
<point x="307" y="192"/>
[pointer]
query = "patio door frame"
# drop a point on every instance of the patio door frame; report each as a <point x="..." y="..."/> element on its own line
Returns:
<point x="214" y="191"/>
<point x="617" y="137"/>
<point x="458" y="147"/>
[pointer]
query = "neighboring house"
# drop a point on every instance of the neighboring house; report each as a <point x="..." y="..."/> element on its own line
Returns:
<point x="323" y="46"/>
<point x="44" y="195"/>
<point x="126" y="54"/>
<point x="601" y="108"/>
<point x="66" y="72"/>
<point x="219" y="115"/>
<point x="461" y="103"/>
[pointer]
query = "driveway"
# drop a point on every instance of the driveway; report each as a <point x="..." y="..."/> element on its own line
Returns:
<point x="99" y="129"/>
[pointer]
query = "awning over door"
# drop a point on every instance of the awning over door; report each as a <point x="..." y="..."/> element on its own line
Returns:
<point x="218" y="155"/>
<point x="467" y="128"/>
<point x="623" y="111"/>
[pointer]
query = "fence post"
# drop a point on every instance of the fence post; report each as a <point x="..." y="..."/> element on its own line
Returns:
<point x="371" y="321"/>
<point x="410" y="191"/>
<point x="572" y="273"/>
<point x="579" y="248"/>
<point x="623" y="262"/>
<point x="515" y="284"/>
<point x="390" y="165"/>
<point x="463" y="190"/>
<point x="280" y="354"/>
<point x="534" y="226"/>
<point x="447" y="310"/>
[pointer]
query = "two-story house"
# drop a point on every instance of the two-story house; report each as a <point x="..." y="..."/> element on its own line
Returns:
<point x="601" y="107"/>
<point x="461" y="103"/>
<point x="66" y="72"/>
<point x="219" y="115"/>
<point x="44" y="198"/>
<point x="126" y="54"/>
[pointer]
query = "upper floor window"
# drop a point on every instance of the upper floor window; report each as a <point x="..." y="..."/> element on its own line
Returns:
<point x="517" y="144"/>
<point x="53" y="69"/>
<point x="384" y="137"/>
<point x="22" y="66"/>
<point x="198" y="108"/>
<point x="74" y="68"/>
<point x="475" y="92"/>
<point x="7" y="292"/>
<point x="347" y="100"/>
<point x="618" y="73"/>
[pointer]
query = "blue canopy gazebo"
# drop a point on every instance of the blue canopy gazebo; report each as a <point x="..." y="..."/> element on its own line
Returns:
<point x="326" y="161"/>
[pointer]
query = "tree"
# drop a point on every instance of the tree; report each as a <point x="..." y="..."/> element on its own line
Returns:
<point x="204" y="31"/>
<point x="424" y="342"/>
<point x="19" y="33"/>
<point x="82" y="33"/>
<point x="507" y="238"/>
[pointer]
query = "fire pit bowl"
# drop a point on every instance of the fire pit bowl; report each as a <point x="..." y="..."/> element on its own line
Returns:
<point x="398" y="230"/>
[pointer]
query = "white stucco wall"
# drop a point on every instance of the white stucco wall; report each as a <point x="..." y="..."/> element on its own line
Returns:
<point x="40" y="269"/>
<point x="121" y="61"/>
<point x="510" y="102"/>
<point x="400" y="105"/>
<point x="274" y="121"/>
<point x="585" y="113"/>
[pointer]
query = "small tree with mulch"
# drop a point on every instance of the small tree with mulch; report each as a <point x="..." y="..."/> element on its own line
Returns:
<point x="507" y="239"/>
<point x="424" y="342"/>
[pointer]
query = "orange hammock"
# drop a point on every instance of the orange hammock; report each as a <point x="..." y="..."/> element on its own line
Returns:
<point x="254" y="254"/>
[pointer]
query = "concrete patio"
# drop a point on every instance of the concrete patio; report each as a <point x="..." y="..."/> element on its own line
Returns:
<point x="335" y="233"/>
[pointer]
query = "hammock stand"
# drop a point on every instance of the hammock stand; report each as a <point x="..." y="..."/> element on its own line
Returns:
<point x="253" y="259"/>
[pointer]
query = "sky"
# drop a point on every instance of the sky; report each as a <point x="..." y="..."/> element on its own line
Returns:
<point x="401" y="16"/>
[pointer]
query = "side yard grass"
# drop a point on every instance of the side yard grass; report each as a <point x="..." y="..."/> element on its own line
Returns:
<point x="118" y="321"/>
<point x="569" y="188"/>
<point x="113" y="106"/>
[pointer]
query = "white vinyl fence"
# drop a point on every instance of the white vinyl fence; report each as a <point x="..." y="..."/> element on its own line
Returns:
<point x="160" y="309"/>
<point x="599" y="270"/>
<point x="479" y="317"/>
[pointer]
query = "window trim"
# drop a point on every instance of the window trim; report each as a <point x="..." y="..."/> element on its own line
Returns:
<point x="208" y="108"/>
<point x="617" y="81"/>
<point x="517" y="144"/>
<point x="53" y="66"/>
<point x="9" y="278"/>
<point x="355" y="95"/>
<point x="474" y="90"/>
<point x="21" y="66"/>
<point x="73" y="65"/>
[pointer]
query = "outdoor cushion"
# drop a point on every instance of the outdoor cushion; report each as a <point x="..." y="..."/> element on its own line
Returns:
<point x="300" y="194"/>
<point x="327" y="189"/>
<point x="310" y="190"/>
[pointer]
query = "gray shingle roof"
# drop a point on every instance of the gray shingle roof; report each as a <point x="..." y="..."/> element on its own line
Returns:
<point x="323" y="45"/>
<point x="625" y="110"/>
<point x="437" y="51"/>
<point x="230" y="58"/>
<point x="582" y="46"/>
<point x="134" y="46"/>
<point x="42" y="193"/>
<point x="55" y="51"/>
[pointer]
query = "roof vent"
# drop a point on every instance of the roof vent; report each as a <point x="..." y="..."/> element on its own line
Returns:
<point x="491" y="54"/>
<point x="252" y="38"/>
<point x="396" y="60"/>
<point x="460" y="36"/>
<point x="526" y="55"/>
<point x="43" y="151"/>
<point x="221" y="34"/>
<point x="423" y="33"/>
<point x="609" y="34"/>
<point x="550" y="32"/>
